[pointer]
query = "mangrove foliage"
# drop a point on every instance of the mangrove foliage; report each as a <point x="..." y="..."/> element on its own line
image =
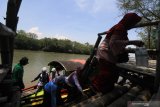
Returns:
<point x="29" y="41"/>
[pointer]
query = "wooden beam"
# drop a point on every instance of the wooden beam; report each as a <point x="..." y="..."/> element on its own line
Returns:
<point x="150" y="51"/>
<point x="5" y="34"/>
<point x="157" y="79"/>
<point x="3" y="73"/>
<point x="5" y="51"/>
<point x="137" y="26"/>
<point x="147" y="24"/>
<point x="137" y="69"/>
<point x="12" y="12"/>
<point x="3" y="99"/>
<point x="5" y="31"/>
<point x="146" y="82"/>
<point x="11" y="22"/>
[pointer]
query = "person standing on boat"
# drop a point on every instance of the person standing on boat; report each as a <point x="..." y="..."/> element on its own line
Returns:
<point x="18" y="72"/>
<point x="43" y="79"/>
<point x="107" y="54"/>
<point x="52" y="72"/>
<point x="55" y="73"/>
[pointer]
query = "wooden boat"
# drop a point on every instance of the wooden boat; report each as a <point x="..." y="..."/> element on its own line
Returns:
<point x="138" y="88"/>
<point x="29" y="98"/>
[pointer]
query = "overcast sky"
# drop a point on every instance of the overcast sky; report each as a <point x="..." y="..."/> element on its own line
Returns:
<point x="77" y="20"/>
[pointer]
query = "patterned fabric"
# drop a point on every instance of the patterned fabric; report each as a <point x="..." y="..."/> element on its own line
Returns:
<point x="128" y="21"/>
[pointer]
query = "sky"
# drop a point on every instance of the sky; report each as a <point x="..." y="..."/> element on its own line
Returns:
<point x="76" y="20"/>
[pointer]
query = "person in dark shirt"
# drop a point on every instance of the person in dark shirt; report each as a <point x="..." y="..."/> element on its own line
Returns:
<point x="18" y="72"/>
<point x="43" y="79"/>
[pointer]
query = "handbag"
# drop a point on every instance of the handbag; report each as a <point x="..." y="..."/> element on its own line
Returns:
<point x="123" y="57"/>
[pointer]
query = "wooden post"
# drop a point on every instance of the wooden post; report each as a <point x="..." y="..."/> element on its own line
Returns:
<point x="149" y="36"/>
<point x="16" y="97"/>
<point x="5" y="53"/>
<point x="157" y="78"/>
<point x="11" y="22"/>
<point x="5" y="34"/>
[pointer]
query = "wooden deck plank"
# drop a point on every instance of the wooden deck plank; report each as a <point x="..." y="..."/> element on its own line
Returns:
<point x="137" y="69"/>
<point x="3" y="99"/>
<point x="123" y="101"/>
<point x="104" y="100"/>
<point x="3" y="73"/>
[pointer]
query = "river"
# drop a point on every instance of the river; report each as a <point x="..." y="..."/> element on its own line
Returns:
<point x="39" y="59"/>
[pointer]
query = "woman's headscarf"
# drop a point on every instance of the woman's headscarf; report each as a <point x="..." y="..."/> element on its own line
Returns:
<point x="127" y="22"/>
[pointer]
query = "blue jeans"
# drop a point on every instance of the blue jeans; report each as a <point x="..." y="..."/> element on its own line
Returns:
<point x="49" y="99"/>
<point x="53" y="99"/>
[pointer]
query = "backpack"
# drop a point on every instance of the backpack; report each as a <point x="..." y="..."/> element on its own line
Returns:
<point x="123" y="57"/>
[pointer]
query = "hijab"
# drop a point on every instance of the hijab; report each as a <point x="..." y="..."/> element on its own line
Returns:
<point x="127" y="22"/>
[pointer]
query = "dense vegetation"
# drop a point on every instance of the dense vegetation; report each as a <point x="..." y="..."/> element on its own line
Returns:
<point x="29" y="41"/>
<point x="150" y="11"/>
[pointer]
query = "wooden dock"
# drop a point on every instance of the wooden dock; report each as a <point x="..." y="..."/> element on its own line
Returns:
<point x="137" y="89"/>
